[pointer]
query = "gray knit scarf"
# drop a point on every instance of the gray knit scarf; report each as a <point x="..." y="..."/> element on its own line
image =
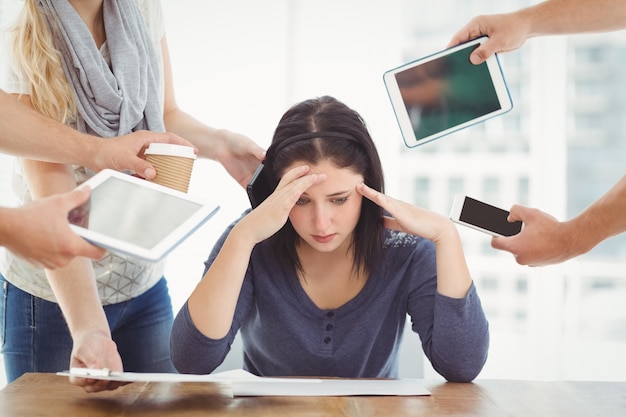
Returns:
<point x="110" y="101"/>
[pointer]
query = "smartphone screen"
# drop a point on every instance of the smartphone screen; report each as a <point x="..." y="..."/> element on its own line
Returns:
<point x="259" y="187"/>
<point x="485" y="216"/>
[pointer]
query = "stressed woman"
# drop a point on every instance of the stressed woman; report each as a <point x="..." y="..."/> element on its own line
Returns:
<point x="320" y="277"/>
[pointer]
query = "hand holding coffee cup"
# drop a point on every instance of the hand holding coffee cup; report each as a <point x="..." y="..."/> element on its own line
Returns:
<point x="173" y="164"/>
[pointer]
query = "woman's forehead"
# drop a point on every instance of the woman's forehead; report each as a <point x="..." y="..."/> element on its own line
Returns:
<point x="326" y="166"/>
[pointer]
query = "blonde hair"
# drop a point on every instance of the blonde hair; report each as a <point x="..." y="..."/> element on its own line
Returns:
<point x="38" y="62"/>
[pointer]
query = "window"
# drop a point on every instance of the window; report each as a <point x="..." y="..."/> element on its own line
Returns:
<point x="421" y="189"/>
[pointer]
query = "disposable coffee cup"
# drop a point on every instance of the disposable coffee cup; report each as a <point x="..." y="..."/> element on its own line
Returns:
<point x="173" y="164"/>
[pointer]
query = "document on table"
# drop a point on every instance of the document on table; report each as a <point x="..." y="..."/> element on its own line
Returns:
<point x="245" y="384"/>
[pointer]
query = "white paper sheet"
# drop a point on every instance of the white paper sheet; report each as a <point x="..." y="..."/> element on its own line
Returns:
<point x="328" y="387"/>
<point x="246" y="384"/>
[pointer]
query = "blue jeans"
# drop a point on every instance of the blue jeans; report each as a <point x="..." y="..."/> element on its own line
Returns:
<point x="35" y="338"/>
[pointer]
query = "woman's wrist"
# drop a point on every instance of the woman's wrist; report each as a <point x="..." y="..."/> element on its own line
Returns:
<point x="447" y="233"/>
<point x="214" y="146"/>
<point x="241" y="237"/>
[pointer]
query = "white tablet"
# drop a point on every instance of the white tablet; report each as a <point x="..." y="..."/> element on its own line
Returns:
<point x="137" y="217"/>
<point x="444" y="92"/>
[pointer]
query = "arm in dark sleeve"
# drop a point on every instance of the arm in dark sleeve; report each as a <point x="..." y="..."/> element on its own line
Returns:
<point x="460" y="337"/>
<point x="454" y="334"/>
<point x="191" y="351"/>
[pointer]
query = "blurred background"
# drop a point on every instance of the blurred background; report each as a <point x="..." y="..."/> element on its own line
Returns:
<point x="240" y="64"/>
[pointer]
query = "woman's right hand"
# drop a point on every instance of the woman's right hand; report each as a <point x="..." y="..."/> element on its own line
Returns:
<point x="95" y="349"/>
<point x="272" y="214"/>
<point x="212" y="304"/>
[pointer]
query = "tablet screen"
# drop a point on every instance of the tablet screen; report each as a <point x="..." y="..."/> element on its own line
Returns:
<point x="137" y="215"/>
<point x="446" y="92"/>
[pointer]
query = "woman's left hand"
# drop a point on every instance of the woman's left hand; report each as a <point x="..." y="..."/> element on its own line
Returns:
<point x="453" y="277"/>
<point x="239" y="155"/>
<point x="406" y="217"/>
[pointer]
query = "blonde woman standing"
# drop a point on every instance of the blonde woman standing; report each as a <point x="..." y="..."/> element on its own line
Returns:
<point x="101" y="66"/>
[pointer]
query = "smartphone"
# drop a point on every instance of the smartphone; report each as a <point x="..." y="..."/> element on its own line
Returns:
<point x="259" y="187"/>
<point x="482" y="216"/>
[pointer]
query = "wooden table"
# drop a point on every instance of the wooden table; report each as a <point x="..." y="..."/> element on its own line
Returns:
<point x="51" y="395"/>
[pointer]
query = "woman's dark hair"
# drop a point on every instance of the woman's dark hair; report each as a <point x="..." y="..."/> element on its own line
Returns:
<point x="326" y="129"/>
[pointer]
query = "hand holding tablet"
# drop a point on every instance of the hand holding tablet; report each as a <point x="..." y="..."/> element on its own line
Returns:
<point x="137" y="217"/>
<point x="444" y="92"/>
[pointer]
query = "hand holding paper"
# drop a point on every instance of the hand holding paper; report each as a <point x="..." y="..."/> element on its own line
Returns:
<point x="246" y="384"/>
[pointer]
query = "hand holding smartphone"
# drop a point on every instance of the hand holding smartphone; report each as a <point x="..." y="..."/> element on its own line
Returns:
<point x="483" y="217"/>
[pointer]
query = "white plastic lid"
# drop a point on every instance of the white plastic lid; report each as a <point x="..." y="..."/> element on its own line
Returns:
<point x="170" y="149"/>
